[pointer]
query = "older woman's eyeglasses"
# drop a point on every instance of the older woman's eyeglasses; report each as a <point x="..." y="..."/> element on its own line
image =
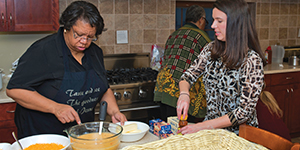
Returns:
<point x="80" y="37"/>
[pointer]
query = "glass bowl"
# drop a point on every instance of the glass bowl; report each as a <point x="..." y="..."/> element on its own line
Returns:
<point x="86" y="136"/>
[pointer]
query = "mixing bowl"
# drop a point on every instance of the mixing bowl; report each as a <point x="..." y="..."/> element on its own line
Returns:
<point x="86" y="136"/>
<point x="42" y="139"/>
<point x="5" y="146"/>
<point x="132" y="137"/>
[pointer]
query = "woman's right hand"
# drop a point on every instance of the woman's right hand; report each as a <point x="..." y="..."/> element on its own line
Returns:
<point x="183" y="102"/>
<point x="35" y="101"/>
<point x="183" y="105"/>
<point x="66" y="113"/>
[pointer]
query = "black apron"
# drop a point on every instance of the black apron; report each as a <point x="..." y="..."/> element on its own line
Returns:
<point x="78" y="89"/>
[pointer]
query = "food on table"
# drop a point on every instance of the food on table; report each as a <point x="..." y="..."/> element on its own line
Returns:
<point x="95" y="141"/>
<point x="182" y="123"/>
<point x="131" y="128"/>
<point x="45" y="146"/>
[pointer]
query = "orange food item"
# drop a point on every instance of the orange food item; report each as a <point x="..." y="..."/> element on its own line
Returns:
<point x="95" y="141"/>
<point x="45" y="146"/>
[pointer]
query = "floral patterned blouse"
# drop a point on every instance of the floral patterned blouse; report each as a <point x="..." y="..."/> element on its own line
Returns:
<point x="234" y="92"/>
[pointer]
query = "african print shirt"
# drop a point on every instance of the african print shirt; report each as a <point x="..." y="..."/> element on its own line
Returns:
<point x="181" y="49"/>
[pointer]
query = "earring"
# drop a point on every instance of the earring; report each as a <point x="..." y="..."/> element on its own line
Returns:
<point x="65" y="31"/>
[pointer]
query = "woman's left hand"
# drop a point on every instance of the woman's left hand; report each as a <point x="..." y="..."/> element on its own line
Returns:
<point x="118" y="117"/>
<point x="193" y="128"/>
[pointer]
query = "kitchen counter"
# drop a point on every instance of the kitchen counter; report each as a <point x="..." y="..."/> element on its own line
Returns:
<point x="276" y="68"/>
<point x="269" y="69"/>
<point x="149" y="137"/>
<point x="3" y="97"/>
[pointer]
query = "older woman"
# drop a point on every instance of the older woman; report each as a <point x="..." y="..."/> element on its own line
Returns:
<point x="60" y="78"/>
<point x="232" y="69"/>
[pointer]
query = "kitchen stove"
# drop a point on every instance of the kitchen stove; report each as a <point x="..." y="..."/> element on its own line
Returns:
<point x="130" y="75"/>
<point x="132" y="81"/>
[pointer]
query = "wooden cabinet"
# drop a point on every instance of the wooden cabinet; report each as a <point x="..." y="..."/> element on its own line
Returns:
<point x="29" y="15"/>
<point x="7" y="124"/>
<point x="286" y="89"/>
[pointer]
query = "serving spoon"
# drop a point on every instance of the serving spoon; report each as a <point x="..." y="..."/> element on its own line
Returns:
<point x="13" y="134"/>
<point x="102" y="114"/>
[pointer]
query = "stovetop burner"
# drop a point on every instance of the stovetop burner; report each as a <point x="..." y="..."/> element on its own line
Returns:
<point x="131" y="75"/>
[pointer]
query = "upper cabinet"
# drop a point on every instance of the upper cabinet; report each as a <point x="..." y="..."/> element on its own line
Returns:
<point x="29" y="15"/>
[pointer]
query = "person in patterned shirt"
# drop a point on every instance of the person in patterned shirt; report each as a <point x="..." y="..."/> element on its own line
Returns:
<point x="182" y="47"/>
<point x="232" y="69"/>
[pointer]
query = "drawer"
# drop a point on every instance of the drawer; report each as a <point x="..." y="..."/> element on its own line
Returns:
<point x="7" y="124"/>
<point x="285" y="78"/>
<point x="7" y="111"/>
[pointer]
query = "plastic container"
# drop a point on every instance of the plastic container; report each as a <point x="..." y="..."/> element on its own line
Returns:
<point x="277" y="54"/>
<point x="86" y="136"/>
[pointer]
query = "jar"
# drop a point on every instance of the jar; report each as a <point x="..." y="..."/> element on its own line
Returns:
<point x="182" y="123"/>
<point x="293" y="61"/>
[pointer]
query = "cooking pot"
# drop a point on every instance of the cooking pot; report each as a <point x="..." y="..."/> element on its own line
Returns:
<point x="293" y="61"/>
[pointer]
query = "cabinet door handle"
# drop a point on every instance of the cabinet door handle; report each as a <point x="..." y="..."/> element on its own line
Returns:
<point x="2" y="19"/>
<point x="10" y="111"/>
<point x="10" y="17"/>
<point x="292" y="90"/>
<point x="287" y="90"/>
<point x="289" y="78"/>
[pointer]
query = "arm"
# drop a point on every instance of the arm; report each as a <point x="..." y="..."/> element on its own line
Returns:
<point x="217" y="123"/>
<point x="251" y="82"/>
<point x="112" y="107"/>
<point x="187" y="79"/>
<point x="183" y="102"/>
<point x="35" y="101"/>
<point x="183" y="105"/>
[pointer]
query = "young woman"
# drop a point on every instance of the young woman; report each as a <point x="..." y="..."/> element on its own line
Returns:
<point x="232" y="69"/>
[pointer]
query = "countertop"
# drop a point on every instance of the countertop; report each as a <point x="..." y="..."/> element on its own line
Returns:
<point x="149" y="137"/>
<point x="280" y="68"/>
<point x="269" y="69"/>
<point x="3" y="97"/>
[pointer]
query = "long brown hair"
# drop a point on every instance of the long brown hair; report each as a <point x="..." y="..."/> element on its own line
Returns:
<point x="241" y="34"/>
<point x="268" y="99"/>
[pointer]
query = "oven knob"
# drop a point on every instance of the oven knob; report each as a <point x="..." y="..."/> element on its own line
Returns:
<point x="142" y="93"/>
<point x="127" y="95"/>
<point x="117" y="95"/>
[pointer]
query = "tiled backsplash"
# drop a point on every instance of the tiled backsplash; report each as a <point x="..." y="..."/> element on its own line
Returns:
<point x="148" y="22"/>
<point x="278" y="21"/>
<point x="151" y="21"/>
